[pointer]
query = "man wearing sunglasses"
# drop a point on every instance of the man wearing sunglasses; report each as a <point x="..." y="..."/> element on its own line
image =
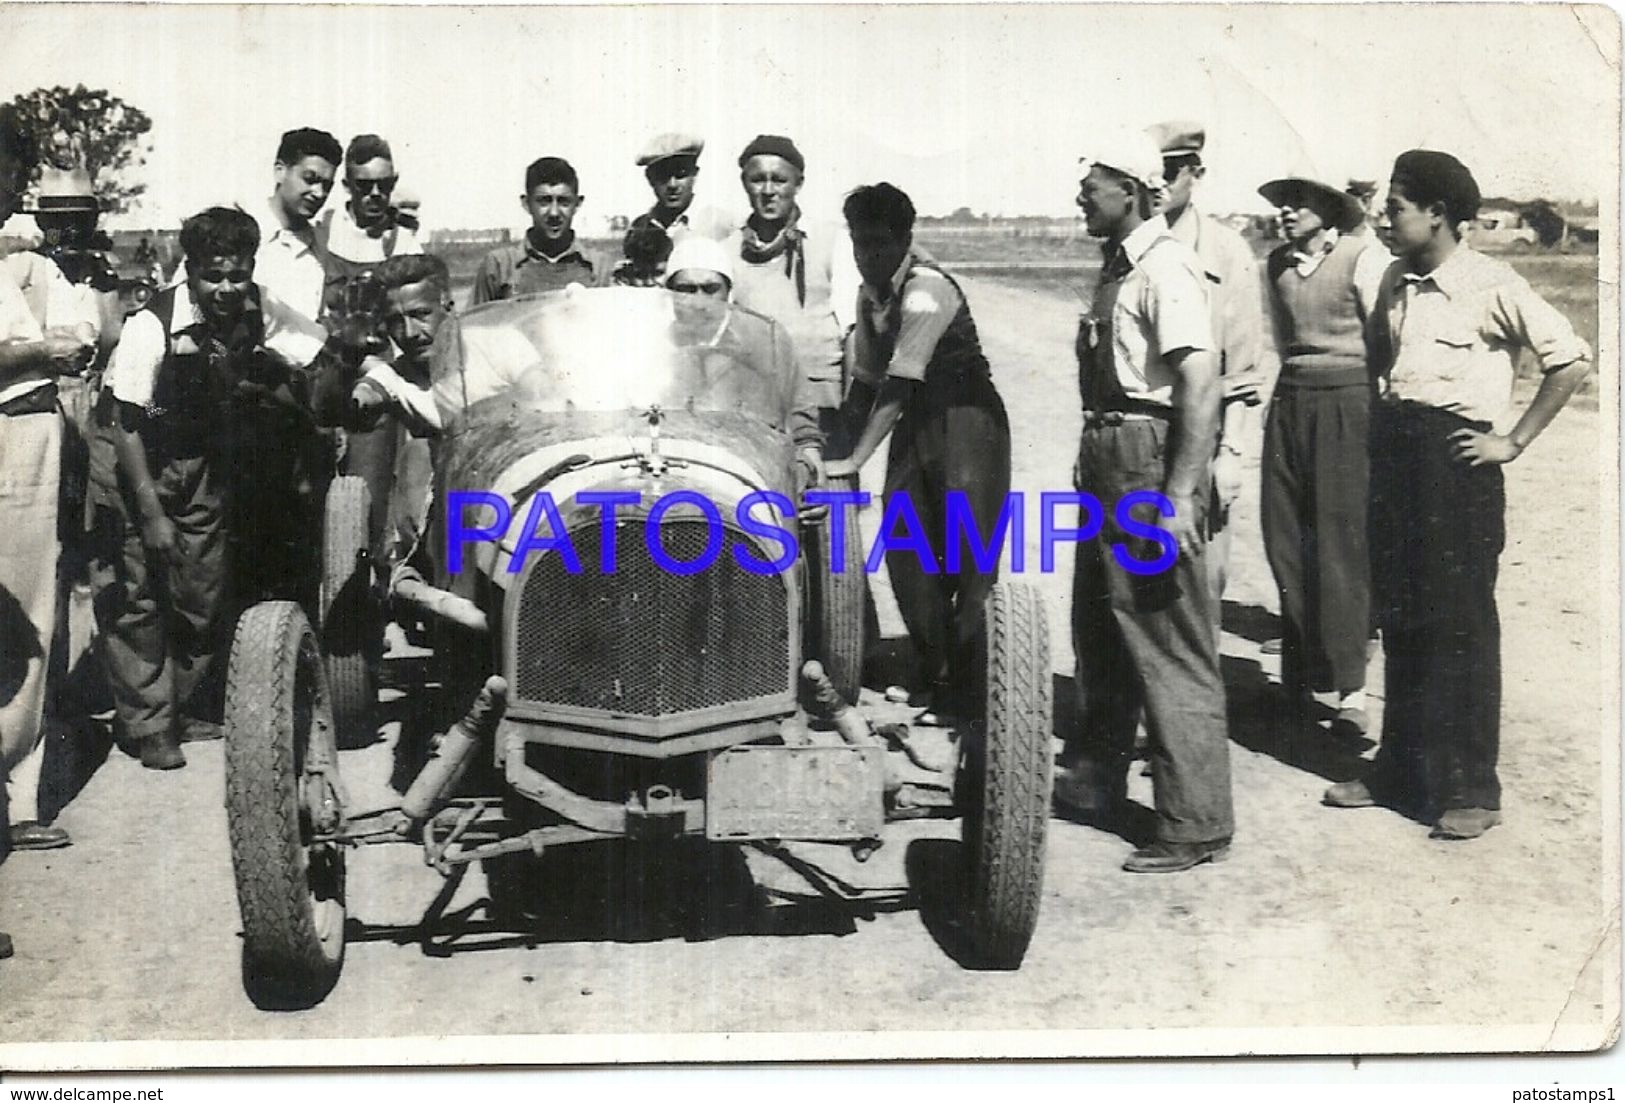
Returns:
<point x="1236" y="309"/>
<point x="358" y="236"/>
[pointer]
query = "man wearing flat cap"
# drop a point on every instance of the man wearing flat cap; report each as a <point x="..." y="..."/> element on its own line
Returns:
<point x="1143" y="626"/>
<point x="799" y="274"/>
<point x="1323" y="288"/>
<point x="1236" y="309"/>
<point x="1448" y="328"/>
<point x="671" y="165"/>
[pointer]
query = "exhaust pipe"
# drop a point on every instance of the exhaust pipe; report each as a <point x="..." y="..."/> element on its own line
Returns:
<point x="410" y="587"/>
<point x="435" y="784"/>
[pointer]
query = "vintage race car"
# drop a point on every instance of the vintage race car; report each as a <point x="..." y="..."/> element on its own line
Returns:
<point x="667" y="665"/>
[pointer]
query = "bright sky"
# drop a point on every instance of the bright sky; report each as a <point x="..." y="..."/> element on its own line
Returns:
<point x="985" y="106"/>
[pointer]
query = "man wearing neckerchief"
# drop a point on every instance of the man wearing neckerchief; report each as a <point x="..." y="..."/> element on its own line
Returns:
<point x="799" y="274"/>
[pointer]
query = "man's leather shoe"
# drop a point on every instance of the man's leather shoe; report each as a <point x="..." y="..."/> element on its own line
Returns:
<point x="162" y="751"/>
<point x="1349" y="794"/>
<point x="1081" y="792"/>
<point x="1164" y="857"/>
<point x="1465" y="823"/>
<point x="1351" y="719"/>
<point x="6" y="948"/>
<point x="36" y="836"/>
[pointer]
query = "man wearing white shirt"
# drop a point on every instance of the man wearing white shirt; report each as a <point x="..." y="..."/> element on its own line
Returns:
<point x="290" y="261"/>
<point x="30" y="474"/>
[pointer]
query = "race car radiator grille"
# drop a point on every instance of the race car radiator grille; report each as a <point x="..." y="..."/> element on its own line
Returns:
<point x="643" y="641"/>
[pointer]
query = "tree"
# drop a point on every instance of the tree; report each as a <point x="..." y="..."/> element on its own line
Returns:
<point x="102" y="126"/>
<point x="1543" y="218"/>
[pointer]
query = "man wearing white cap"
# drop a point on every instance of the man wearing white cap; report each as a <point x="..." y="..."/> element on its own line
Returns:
<point x="701" y="266"/>
<point x="671" y="165"/>
<point x="1236" y="308"/>
<point x="1143" y="628"/>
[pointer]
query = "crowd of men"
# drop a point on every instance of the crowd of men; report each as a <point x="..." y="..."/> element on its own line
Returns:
<point x="183" y="443"/>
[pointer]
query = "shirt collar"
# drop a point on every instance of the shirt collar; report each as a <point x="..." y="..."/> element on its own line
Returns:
<point x="1300" y="258"/>
<point x="1142" y="237"/>
<point x="531" y="253"/>
<point x="279" y="228"/>
<point x="186" y="307"/>
<point x="894" y="286"/>
<point x="1450" y="276"/>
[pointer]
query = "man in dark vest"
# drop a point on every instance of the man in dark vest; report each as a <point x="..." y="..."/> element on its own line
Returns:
<point x="1323" y="285"/>
<point x="209" y="412"/>
<point x="920" y="378"/>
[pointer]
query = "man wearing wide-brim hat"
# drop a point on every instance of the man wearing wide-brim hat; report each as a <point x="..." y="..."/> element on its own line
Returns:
<point x="1323" y="286"/>
<point x="31" y="427"/>
<point x="66" y="211"/>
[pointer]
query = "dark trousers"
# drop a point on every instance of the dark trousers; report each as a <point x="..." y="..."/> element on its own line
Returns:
<point x="1313" y="507"/>
<point x="164" y="628"/>
<point x="1438" y="527"/>
<point x="371" y="455"/>
<point x="1147" y="641"/>
<point x="934" y="451"/>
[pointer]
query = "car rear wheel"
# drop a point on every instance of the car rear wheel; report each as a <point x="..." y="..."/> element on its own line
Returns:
<point x="1005" y="780"/>
<point x="838" y="600"/>
<point x="350" y="623"/>
<point x="281" y="790"/>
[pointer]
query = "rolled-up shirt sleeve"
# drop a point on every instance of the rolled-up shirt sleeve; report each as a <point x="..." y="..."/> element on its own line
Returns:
<point x="132" y="371"/>
<point x="1176" y="305"/>
<point x="1524" y="318"/>
<point x="928" y="308"/>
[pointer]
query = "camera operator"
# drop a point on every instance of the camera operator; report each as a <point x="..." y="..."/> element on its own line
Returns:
<point x="30" y="482"/>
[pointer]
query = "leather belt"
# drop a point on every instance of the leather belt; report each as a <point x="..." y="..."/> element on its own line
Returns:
<point x="40" y="400"/>
<point x="1132" y="411"/>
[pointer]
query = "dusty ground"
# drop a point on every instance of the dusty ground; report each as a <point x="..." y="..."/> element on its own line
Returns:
<point x="1331" y="919"/>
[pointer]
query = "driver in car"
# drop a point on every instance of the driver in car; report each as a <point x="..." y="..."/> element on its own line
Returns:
<point x="700" y="266"/>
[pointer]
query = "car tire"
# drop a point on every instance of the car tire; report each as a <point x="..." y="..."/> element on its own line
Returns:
<point x="350" y="623"/>
<point x="1005" y="781"/>
<point x="290" y="891"/>
<point x="838" y="599"/>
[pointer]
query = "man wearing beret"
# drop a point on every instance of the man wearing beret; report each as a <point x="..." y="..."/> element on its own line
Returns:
<point x="549" y="256"/>
<point x="1236" y="310"/>
<point x="1323" y="287"/>
<point x="1448" y="327"/>
<point x="671" y="165"/>
<point x="802" y="276"/>
<point x="1145" y="638"/>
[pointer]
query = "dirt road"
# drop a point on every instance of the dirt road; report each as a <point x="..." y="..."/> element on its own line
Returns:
<point x="1344" y="921"/>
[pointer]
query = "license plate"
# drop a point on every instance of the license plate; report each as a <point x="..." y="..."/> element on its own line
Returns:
<point x="829" y="793"/>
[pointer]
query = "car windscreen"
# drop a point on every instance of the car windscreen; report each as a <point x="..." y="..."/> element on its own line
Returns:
<point x="615" y="349"/>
